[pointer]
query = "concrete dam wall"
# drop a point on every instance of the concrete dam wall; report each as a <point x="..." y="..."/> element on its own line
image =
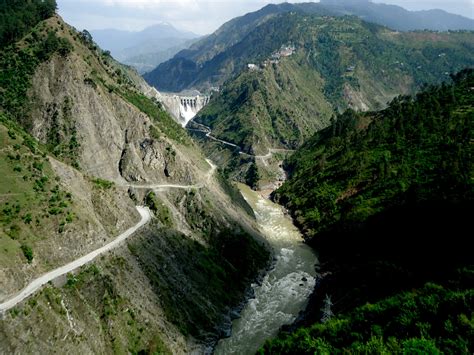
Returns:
<point x="183" y="107"/>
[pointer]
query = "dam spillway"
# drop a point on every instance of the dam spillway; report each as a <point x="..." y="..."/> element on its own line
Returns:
<point x="184" y="108"/>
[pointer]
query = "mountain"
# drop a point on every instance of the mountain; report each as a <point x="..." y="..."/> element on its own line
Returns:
<point x="309" y="68"/>
<point x="146" y="49"/>
<point x="398" y="18"/>
<point x="81" y="146"/>
<point x="384" y="197"/>
<point x="147" y="56"/>
<point x="200" y="67"/>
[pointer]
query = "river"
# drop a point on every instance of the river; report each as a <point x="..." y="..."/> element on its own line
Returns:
<point x="284" y="291"/>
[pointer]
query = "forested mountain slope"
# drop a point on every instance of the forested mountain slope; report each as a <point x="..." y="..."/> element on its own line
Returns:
<point x="328" y="64"/>
<point x="385" y="197"/>
<point x="338" y="63"/>
<point x="193" y="67"/>
<point x="208" y="63"/>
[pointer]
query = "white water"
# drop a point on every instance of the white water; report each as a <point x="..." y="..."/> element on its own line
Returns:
<point x="286" y="288"/>
<point x="187" y="113"/>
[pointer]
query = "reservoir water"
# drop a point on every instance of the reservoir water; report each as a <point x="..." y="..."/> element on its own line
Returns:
<point x="284" y="291"/>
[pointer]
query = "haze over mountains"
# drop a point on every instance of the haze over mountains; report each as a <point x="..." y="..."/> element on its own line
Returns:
<point x="396" y="17"/>
<point x="144" y="49"/>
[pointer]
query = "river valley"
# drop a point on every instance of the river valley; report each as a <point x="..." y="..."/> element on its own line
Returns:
<point x="285" y="289"/>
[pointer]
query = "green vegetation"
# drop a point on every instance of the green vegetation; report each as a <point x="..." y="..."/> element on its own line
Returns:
<point x="259" y="110"/>
<point x="214" y="59"/>
<point x="386" y="198"/>
<point x="431" y="320"/>
<point x="27" y="252"/>
<point x="160" y="117"/>
<point x="18" y="17"/>
<point x="339" y="63"/>
<point x="31" y="202"/>
<point x="252" y="176"/>
<point x="19" y="62"/>
<point x="161" y="211"/>
<point x="94" y="297"/>
<point x="364" y="162"/>
<point x="62" y="136"/>
<point x="103" y="184"/>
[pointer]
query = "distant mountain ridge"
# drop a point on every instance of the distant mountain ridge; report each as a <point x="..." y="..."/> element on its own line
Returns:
<point x="195" y="67"/>
<point x="398" y="18"/>
<point x="144" y="49"/>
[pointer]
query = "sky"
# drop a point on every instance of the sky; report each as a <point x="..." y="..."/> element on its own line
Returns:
<point x="198" y="16"/>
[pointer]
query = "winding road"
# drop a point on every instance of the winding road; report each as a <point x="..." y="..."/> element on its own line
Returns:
<point x="36" y="284"/>
<point x="145" y="214"/>
<point x="208" y="131"/>
<point x="176" y="186"/>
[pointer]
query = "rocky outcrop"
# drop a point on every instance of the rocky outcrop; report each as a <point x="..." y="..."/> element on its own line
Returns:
<point x="114" y="135"/>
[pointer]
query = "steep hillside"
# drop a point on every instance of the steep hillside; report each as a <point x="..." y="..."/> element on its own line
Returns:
<point x="208" y="63"/>
<point x="46" y="204"/>
<point x="17" y="18"/>
<point x="421" y="143"/>
<point x="81" y="146"/>
<point x="276" y="107"/>
<point x="386" y="198"/>
<point x="337" y="63"/>
<point x="199" y="67"/>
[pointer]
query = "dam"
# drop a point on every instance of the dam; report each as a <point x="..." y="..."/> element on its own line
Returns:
<point x="183" y="107"/>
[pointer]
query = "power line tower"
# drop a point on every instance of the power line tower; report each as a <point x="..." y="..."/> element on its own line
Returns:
<point x="326" y="309"/>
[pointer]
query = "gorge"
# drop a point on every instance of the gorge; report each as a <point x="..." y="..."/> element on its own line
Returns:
<point x="284" y="290"/>
<point x="285" y="185"/>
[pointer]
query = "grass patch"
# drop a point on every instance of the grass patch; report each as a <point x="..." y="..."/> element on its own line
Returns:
<point x="161" y="211"/>
<point x="27" y="252"/>
<point x="31" y="203"/>
<point x="103" y="184"/>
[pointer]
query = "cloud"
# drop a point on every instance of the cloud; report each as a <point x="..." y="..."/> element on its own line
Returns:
<point x="147" y="4"/>
<point x="199" y="16"/>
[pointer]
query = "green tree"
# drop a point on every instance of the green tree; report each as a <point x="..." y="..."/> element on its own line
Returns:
<point x="252" y="176"/>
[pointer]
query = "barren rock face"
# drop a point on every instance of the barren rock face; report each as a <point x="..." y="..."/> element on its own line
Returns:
<point x="114" y="136"/>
